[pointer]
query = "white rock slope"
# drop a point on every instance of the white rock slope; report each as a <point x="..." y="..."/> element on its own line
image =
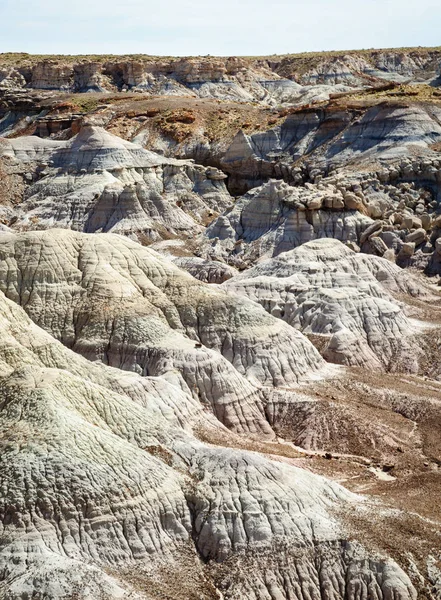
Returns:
<point x="97" y="182"/>
<point x="324" y="288"/>
<point x="112" y="300"/>
<point x="277" y="217"/>
<point x="98" y="481"/>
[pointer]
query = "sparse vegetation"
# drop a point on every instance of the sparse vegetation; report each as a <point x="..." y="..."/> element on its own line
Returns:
<point x="23" y="58"/>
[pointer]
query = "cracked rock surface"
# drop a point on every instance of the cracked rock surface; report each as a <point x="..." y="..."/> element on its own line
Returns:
<point x="277" y="217"/>
<point x="325" y="288"/>
<point x="112" y="300"/>
<point x="98" y="476"/>
<point x="97" y="182"/>
<point x="220" y="327"/>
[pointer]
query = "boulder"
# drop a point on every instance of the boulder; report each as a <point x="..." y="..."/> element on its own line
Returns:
<point x="407" y="249"/>
<point x="419" y="236"/>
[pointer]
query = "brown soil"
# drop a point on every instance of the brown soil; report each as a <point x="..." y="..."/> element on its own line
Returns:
<point x="180" y="117"/>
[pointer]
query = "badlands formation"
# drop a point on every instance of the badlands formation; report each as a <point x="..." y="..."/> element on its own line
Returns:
<point x="220" y="327"/>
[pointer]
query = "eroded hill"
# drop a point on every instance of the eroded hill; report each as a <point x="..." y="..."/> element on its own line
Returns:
<point x="220" y="327"/>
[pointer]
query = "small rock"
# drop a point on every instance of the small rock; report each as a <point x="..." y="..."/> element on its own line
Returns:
<point x="416" y="223"/>
<point x="377" y="245"/>
<point x="352" y="202"/>
<point x="376" y="226"/>
<point x="418" y="236"/>
<point x="314" y="204"/>
<point x="426" y="222"/>
<point x="407" y="249"/>
<point x="407" y="223"/>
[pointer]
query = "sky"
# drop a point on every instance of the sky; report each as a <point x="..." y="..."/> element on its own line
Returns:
<point x="222" y="28"/>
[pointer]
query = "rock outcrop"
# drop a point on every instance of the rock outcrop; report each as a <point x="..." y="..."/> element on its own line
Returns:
<point x="271" y="79"/>
<point x="209" y="271"/>
<point x="112" y="300"/>
<point x="330" y="137"/>
<point x="391" y="211"/>
<point x="277" y="217"/>
<point x="98" y="478"/>
<point x="98" y="182"/>
<point x="219" y="373"/>
<point x="324" y="288"/>
<point x="227" y="79"/>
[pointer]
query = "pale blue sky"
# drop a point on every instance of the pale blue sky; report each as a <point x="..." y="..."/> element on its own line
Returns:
<point x="227" y="27"/>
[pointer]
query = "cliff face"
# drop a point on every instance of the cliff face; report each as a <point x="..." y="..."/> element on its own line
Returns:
<point x="249" y="79"/>
<point x="419" y="64"/>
